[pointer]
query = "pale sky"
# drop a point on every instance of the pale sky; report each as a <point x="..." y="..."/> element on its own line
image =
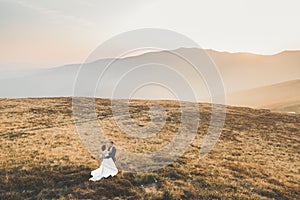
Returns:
<point x="49" y="33"/>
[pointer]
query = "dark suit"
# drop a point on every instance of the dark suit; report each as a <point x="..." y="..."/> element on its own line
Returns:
<point x="113" y="153"/>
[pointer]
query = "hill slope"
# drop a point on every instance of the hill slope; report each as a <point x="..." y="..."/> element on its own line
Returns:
<point x="42" y="157"/>
<point x="284" y="97"/>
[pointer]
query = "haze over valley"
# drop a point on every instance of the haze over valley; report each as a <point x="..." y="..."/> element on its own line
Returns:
<point x="262" y="81"/>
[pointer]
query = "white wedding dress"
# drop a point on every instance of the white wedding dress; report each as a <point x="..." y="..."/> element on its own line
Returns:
<point x="106" y="169"/>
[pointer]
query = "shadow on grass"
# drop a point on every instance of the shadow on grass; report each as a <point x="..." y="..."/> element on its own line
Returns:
<point x="58" y="182"/>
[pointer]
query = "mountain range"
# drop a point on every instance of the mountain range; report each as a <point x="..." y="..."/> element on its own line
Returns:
<point x="264" y="81"/>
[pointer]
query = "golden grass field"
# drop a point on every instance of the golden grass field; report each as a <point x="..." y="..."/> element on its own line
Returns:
<point x="42" y="156"/>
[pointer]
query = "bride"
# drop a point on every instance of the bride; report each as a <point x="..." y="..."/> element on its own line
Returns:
<point x="107" y="167"/>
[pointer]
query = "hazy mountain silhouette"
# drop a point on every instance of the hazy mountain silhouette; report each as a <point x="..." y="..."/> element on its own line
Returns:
<point x="242" y="71"/>
<point x="239" y="71"/>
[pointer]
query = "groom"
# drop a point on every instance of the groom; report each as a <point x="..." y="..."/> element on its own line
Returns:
<point x="112" y="151"/>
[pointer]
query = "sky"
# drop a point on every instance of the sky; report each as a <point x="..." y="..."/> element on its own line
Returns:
<point x="50" y="33"/>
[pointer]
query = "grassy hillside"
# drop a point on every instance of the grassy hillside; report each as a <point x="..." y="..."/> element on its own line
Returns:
<point x="42" y="157"/>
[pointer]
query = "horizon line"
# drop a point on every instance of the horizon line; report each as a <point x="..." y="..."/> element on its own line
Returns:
<point x="144" y="53"/>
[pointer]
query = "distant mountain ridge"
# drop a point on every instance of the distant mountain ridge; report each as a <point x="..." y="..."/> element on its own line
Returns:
<point x="243" y="71"/>
<point x="239" y="72"/>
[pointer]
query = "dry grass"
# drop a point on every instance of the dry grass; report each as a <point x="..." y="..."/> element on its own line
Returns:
<point x="42" y="157"/>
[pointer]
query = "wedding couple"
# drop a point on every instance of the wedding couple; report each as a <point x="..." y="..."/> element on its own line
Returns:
<point x="107" y="167"/>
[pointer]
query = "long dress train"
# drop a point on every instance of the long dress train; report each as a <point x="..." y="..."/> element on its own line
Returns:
<point x="106" y="169"/>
